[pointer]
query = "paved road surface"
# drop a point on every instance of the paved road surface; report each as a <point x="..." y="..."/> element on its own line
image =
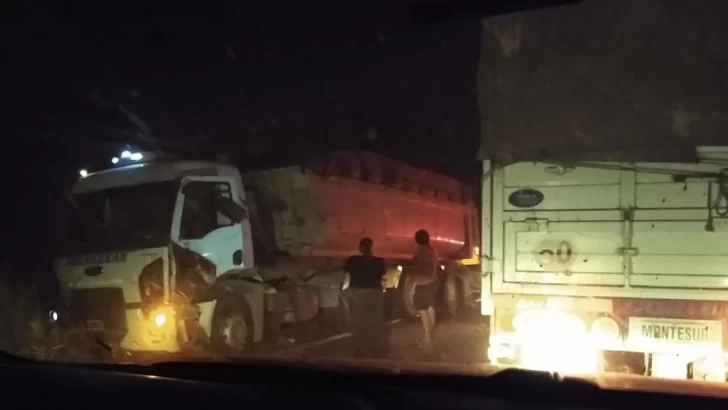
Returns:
<point x="456" y="341"/>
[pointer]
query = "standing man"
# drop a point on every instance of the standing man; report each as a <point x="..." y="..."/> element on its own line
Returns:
<point x="425" y="263"/>
<point x="366" y="302"/>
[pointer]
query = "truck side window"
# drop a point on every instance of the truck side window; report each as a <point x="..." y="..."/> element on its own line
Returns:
<point x="222" y="190"/>
<point x="199" y="215"/>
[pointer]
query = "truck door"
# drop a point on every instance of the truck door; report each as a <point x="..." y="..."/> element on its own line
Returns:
<point x="564" y="253"/>
<point x="202" y="225"/>
<point x="571" y="237"/>
<point x="680" y="233"/>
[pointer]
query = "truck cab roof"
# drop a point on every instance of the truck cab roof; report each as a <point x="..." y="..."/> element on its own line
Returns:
<point x="149" y="172"/>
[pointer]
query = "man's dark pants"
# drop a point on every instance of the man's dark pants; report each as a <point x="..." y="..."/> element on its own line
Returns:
<point x="370" y="336"/>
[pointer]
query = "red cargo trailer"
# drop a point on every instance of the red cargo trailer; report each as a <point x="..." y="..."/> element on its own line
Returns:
<point x="319" y="210"/>
<point x="323" y="208"/>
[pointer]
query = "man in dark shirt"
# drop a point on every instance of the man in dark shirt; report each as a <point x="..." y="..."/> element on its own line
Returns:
<point x="366" y="302"/>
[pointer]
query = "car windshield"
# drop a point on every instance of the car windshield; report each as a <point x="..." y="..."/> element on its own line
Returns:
<point x="406" y="181"/>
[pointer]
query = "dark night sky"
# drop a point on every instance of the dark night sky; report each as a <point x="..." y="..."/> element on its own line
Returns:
<point x="256" y="80"/>
<point x="253" y="80"/>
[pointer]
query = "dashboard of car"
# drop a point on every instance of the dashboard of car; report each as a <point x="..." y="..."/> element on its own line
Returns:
<point x="256" y="385"/>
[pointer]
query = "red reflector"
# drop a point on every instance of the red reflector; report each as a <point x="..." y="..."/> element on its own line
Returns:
<point x="669" y="308"/>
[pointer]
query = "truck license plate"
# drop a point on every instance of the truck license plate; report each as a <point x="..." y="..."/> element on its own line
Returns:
<point x="95" y="325"/>
<point x="643" y="329"/>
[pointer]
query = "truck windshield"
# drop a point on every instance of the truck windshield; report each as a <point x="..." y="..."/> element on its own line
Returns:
<point x="131" y="217"/>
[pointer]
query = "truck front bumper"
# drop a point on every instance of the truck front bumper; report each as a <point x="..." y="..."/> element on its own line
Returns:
<point x="559" y="341"/>
<point x="153" y="331"/>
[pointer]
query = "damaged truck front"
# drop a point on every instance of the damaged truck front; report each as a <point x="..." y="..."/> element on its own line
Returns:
<point x="154" y="260"/>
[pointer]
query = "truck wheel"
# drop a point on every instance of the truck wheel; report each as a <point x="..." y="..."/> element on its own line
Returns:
<point x="453" y="294"/>
<point x="406" y="289"/>
<point x="232" y="328"/>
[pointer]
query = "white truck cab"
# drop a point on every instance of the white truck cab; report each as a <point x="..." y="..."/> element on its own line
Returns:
<point x="145" y="243"/>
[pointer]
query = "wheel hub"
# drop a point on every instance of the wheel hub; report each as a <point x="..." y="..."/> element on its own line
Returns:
<point x="235" y="332"/>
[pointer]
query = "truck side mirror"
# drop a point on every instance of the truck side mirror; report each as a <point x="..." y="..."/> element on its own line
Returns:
<point x="230" y="209"/>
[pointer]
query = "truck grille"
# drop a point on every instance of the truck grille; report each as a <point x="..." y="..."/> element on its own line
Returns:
<point x="101" y="306"/>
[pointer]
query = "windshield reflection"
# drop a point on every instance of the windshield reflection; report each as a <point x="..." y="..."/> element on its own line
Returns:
<point x="121" y="218"/>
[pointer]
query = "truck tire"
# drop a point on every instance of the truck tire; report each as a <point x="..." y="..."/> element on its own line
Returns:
<point x="232" y="327"/>
<point x="453" y="294"/>
<point x="406" y="290"/>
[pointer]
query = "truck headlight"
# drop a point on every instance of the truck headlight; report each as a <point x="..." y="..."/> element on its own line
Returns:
<point x="554" y="340"/>
<point x="160" y="319"/>
<point x="549" y="323"/>
<point x="52" y="316"/>
<point x="605" y="328"/>
<point x="162" y="316"/>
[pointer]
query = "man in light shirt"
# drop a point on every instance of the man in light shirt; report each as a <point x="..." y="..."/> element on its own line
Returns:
<point x="424" y="263"/>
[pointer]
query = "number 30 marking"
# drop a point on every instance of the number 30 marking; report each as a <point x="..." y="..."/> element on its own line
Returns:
<point x="563" y="254"/>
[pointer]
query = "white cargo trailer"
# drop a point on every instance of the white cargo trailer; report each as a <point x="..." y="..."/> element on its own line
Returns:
<point x="605" y="229"/>
<point x="606" y="256"/>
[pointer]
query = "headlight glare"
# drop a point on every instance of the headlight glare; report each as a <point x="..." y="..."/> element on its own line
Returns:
<point x="605" y="328"/>
<point x="160" y="319"/>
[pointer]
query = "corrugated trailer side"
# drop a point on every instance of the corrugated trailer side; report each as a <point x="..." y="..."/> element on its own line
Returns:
<point x="609" y="230"/>
<point x="322" y="211"/>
